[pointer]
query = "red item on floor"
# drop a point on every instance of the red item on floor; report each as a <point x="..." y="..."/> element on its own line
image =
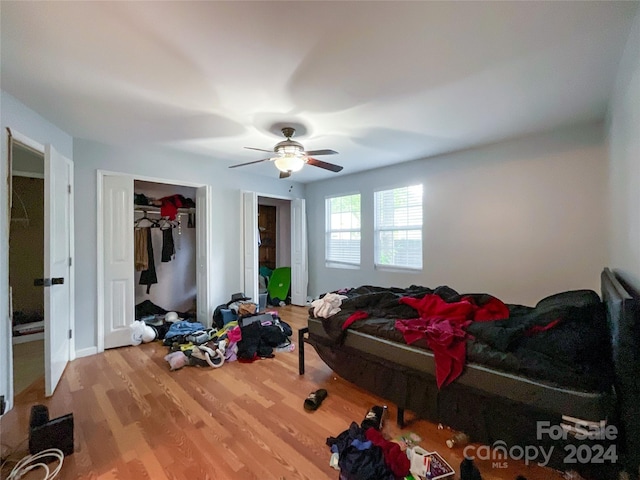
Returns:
<point x="394" y="457"/>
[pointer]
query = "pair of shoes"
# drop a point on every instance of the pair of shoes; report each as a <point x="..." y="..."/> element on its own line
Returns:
<point x="313" y="401"/>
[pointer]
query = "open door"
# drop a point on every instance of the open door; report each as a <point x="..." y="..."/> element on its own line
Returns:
<point x="299" y="271"/>
<point x="117" y="299"/>
<point x="58" y="310"/>
<point x="250" y="238"/>
<point x="203" y="244"/>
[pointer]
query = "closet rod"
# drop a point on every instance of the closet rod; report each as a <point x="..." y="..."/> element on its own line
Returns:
<point x="181" y="211"/>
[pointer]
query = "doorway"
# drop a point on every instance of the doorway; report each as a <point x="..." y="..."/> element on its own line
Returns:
<point x="291" y="243"/>
<point x="274" y="238"/>
<point x="268" y="242"/>
<point x="56" y="282"/>
<point x="26" y="264"/>
<point x="172" y="236"/>
<point x="119" y="287"/>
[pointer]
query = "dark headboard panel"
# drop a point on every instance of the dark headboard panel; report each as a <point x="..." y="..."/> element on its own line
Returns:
<point x="624" y="323"/>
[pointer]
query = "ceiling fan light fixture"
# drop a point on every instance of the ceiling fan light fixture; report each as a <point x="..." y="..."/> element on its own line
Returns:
<point x="290" y="156"/>
<point x="289" y="162"/>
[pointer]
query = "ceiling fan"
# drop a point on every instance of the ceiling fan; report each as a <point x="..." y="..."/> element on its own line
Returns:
<point x="290" y="156"/>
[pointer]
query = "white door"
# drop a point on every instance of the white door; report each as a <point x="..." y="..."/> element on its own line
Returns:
<point x="57" y="269"/>
<point x="118" y="295"/>
<point x="299" y="271"/>
<point x="202" y="255"/>
<point x="250" y="238"/>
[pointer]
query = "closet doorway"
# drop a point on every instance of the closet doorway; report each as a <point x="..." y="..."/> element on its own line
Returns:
<point x="274" y="227"/>
<point x="121" y="208"/>
<point x="173" y="247"/>
<point x="26" y="263"/>
<point x="288" y="244"/>
<point x="268" y="243"/>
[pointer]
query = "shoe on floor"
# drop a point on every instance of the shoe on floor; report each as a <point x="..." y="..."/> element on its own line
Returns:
<point x="313" y="401"/>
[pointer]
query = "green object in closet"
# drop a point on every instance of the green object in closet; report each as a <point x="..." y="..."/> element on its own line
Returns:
<point x="279" y="283"/>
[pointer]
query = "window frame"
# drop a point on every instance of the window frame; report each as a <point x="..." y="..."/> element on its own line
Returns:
<point x="377" y="230"/>
<point x="332" y="263"/>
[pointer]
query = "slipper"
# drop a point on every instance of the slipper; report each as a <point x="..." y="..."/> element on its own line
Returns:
<point x="314" y="399"/>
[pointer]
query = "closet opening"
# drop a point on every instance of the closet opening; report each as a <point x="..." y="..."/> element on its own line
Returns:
<point x="274" y="249"/>
<point x="26" y="264"/>
<point x="168" y="271"/>
<point x="165" y="249"/>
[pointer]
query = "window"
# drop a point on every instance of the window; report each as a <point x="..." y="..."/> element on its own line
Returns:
<point x="343" y="231"/>
<point x="398" y="228"/>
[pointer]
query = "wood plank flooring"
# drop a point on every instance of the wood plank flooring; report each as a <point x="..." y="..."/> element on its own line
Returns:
<point x="28" y="364"/>
<point x="135" y="419"/>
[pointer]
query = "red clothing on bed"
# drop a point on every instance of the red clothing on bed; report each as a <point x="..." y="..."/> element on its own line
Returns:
<point x="442" y="325"/>
<point x="445" y="337"/>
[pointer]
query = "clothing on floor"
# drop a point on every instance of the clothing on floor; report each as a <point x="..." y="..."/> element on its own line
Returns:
<point x="356" y="463"/>
<point x="394" y="458"/>
<point x="259" y="340"/>
<point x="182" y="328"/>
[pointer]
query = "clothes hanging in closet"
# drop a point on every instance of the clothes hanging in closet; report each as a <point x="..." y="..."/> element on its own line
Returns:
<point x="141" y="256"/>
<point x="148" y="277"/>
<point x="168" y="247"/>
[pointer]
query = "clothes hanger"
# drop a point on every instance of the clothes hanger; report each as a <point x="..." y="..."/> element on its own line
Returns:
<point x="166" y="224"/>
<point x="153" y="222"/>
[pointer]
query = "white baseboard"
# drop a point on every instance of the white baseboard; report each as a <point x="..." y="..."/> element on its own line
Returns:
<point x="86" y="352"/>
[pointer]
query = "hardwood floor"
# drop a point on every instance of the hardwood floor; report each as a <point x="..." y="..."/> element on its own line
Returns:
<point x="135" y="419"/>
<point x="28" y="364"/>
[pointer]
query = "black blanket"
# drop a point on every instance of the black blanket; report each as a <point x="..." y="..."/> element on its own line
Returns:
<point x="563" y="339"/>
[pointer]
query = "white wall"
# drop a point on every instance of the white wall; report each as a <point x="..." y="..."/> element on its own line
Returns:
<point x="624" y="163"/>
<point x="520" y="219"/>
<point x="178" y="167"/>
<point x="18" y="118"/>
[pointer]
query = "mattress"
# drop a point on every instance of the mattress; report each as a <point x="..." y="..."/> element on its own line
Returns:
<point x="544" y="395"/>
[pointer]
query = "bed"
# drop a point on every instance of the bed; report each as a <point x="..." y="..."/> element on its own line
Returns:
<point x="572" y="361"/>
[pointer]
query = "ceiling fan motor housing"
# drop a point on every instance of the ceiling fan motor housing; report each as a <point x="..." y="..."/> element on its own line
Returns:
<point x="289" y="147"/>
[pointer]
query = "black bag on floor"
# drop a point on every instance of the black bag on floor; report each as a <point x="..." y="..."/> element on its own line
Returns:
<point x="45" y="433"/>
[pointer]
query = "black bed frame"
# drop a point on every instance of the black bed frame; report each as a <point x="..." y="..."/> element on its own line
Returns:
<point x="623" y="315"/>
<point x="489" y="418"/>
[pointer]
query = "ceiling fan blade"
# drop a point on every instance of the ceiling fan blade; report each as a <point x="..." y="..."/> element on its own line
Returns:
<point x="259" y="149"/>
<point x="249" y="163"/>
<point x="285" y="174"/>
<point x="326" y="165"/>
<point x="321" y="152"/>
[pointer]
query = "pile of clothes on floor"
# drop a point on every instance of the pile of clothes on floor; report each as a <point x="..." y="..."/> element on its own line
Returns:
<point x="242" y="334"/>
<point x="362" y="453"/>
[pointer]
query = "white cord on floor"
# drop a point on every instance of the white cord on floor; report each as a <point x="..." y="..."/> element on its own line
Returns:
<point x="26" y="464"/>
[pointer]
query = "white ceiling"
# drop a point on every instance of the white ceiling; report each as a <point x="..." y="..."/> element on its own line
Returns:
<point x="380" y="82"/>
